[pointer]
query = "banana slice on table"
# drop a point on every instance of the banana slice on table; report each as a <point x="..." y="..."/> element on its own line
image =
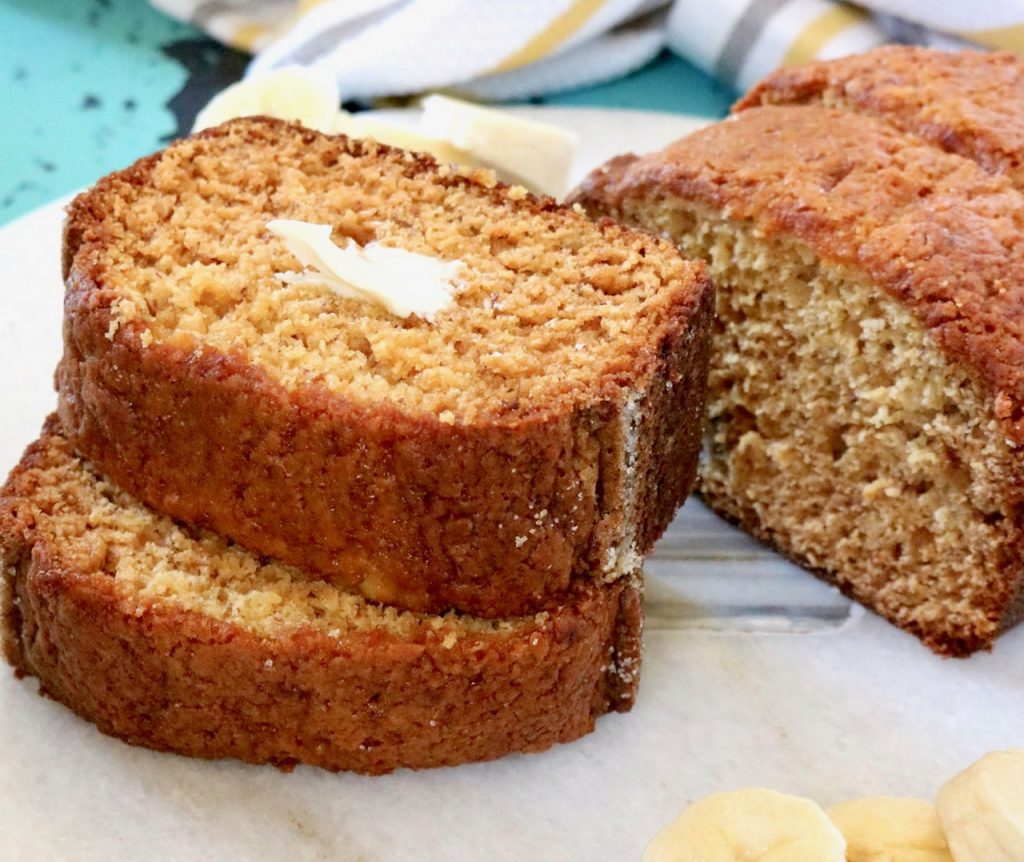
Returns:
<point x="887" y="829"/>
<point x="394" y="135"/>
<point x="982" y="809"/>
<point x="750" y="825"/>
<point x="290" y="93"/>
<point x="538" y="155"/>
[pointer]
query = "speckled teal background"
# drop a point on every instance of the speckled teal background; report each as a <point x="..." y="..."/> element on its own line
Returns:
<point x="91" y="85"/>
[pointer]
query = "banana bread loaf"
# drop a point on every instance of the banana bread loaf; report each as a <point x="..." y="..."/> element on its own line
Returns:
<point x="866" y="396"/>
<point x="542" y="427"/>
<point x="180" y="641"/>
<point x="965" y="102"/>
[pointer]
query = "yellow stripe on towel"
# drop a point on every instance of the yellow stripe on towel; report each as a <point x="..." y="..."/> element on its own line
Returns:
<point x="1008" y="38"/>
<point x="247" y="37"/>
<point x="561" y="29"/>
<point x="820" y="32"/>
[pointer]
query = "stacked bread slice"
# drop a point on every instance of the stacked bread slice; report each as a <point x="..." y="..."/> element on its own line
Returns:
<point x="862" y="222"/>
<point x="277" y="522"/>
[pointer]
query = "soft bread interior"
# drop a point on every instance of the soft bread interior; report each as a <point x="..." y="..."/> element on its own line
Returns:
<point x="839" y="432"/>
<point x="549" y="307"/>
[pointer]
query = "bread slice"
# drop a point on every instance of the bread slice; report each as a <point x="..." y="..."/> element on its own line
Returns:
<point x="181" y="641"/>
<point x="965" y="102"/>
<point x="544" y="427"/>
<point x="866" y="396"/>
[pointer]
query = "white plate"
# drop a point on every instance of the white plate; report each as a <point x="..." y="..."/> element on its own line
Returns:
<point x="755" y="674"/>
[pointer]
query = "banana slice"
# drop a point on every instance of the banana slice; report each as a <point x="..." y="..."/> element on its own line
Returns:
<point x="394" y="135"/>
<point x="290" y="93"/>
<point x="295" y="94"/>
<point x="538" y="155"/>
<point x="982" y="809"/>
<point x="751" y="825"/>
<point x="886" y="829"/>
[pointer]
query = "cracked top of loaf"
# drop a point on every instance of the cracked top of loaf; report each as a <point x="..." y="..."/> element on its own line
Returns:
<point x="965" y="102"/>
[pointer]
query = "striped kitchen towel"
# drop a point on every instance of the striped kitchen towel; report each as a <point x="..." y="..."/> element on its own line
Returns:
<point x="513" y="49"/>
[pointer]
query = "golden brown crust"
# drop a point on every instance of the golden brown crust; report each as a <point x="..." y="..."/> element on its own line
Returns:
<point x="495" y="518"/>
<point x="862" y="194"/>
<point x="966" y="102"/>
<point x="156" y="675"/>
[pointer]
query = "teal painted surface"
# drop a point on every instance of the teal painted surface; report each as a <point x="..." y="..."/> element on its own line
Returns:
<point x="88" y="87"/>
<point x="84" y="92"/>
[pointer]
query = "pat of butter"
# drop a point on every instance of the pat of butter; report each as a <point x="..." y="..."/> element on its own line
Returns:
<point x="403" y="282"/>
<point x="538" y="155"/>
<point x="289" y="93"/>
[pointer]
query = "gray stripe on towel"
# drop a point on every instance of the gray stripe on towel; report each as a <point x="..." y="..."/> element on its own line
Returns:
<point x="744" y="35"/>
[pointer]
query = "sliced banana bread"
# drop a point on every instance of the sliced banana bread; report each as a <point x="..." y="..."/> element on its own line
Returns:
<point x="866" y="396"/>
<point x="965" y="102"/>
<point x="180" y="641"/>
<point x="542" y="427"/>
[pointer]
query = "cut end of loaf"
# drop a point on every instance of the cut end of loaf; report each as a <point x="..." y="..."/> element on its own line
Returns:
<point x="839" y="433"/>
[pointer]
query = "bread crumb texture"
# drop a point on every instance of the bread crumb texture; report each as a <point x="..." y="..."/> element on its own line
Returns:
<point x="865" y="387"/>
<point x="876" y="461"/>
<point x="550" y="306"/>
